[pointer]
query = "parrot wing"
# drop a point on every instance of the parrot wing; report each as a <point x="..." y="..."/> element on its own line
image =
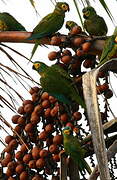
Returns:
<point x="47" y="26"/>
<point x="61" y="71"/>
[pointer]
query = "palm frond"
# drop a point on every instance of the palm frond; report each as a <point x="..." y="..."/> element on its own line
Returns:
<point x="77" y="8"/>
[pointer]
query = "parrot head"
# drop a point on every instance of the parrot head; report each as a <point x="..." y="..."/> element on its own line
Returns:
<point x="70" y="24"/>
<point x="62" y="7"/>
<point x="40" y="67"/>
<point x="88" y="12"/>
<point x="67" y="131"/>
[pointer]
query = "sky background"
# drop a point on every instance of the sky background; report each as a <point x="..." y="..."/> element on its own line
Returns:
<point x="25" y="14"/>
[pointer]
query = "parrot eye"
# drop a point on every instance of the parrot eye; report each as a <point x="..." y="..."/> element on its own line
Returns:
<point x="65" y="7"/>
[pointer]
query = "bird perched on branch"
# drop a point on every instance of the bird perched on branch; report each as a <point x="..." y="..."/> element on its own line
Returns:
<point x="73" y="148"/>
<point x="9" y="23"/>
<point x="57" y="82"/>
<point x="110" y="48"/>
<point x="94" y="24"/>
<point x="49" y="24"/>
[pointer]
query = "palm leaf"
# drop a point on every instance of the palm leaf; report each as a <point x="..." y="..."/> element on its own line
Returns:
<point x="76" y="5"/>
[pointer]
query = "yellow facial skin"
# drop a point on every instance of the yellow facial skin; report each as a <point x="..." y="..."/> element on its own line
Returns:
<point x="67" y="132"/>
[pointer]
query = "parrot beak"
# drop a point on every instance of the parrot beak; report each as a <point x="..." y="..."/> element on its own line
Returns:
<point x="67" y="132"/>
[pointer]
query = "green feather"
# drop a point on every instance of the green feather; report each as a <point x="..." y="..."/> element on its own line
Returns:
<point x="73" y="148"/>
<point x="9" y="23"/>
<point x="57" y="82"/>
<point x="50" y="23"/>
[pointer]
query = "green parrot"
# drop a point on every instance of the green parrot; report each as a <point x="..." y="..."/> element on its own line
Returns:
<point x="110" y="48"/>
<point x="9" y="23"/>
<point x="94" y="24"/>
<point x="57" y="82"/>
<point x="49" y="24"/>
<point x="73" y="148"/>
<point x="70" y="24"/>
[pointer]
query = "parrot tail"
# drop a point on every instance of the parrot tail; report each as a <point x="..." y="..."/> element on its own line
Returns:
<point x="34" y="50"/>
<point x="87" y="167"/>
<point x="76" y="97"/>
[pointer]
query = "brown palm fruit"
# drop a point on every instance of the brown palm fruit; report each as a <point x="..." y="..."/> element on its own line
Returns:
<point x="64" y="117"/>
<point x="15" y="118"/>
<point x="55" y="40"/>
<point x="58" y="139"/>
<point x="77" y="116"/>
<point x="35" y="97"/>
<point x="43" y="153"/>
<point x="33" y="90"/>
<point x="12" y="165"/>
<point x="35" y="118"/>
<point x="21" y="110"/>
<point x="27" y="158"/>
<point x="18" y="129"/>
<point x="35" y="152"/>
<point x="38" y="109"/>
<point x="29" y="127"/>
<point x="19" y="155"/>
<point x="49" y="140"/>
<point x="47" y="112"/>
<point x="28" y="108"/>
<point x="23" y="176"/>
<point x="45" y="103"/>
<point x="78" y="41"/>
<point x="8" y="149"/>
<point x="101" y="74"/>
<point x="76" y="30"/>
<point x="52" y="99"/>
<point x="25" y="102"/>
<point x="21" y="121"/>
<point x="86" y="46"/>
<point x="102" y="88"/>
<point x="79" y="52"/>
<point x="108" y="93"/>
<point x="49" y="128"/>
<point x="66" y="52"/>
<point x="9" y="172"/>
<point x="32" y="164"/>
<point x="8" y="139"/>
<point x="40" y="163"/>
<point x="23" y="148"/>
<point x="52" y="55"/>
<point x="19" y="168"/>
<point x="56" y="157"/>
<point x="44" y="96"/>
<point x="8" y="156"/>
<point x="43" y="135"/>
<point x="66" y="59"/>
<point x="54" y="148"/>
<point x="13" y="144"/>
<point x="54" y="111"/>
<point x="4" y="162"/>
<point x="88" y="63"/>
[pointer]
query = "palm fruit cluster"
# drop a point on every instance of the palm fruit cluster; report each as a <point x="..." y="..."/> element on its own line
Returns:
<point x="35" y="153"/>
